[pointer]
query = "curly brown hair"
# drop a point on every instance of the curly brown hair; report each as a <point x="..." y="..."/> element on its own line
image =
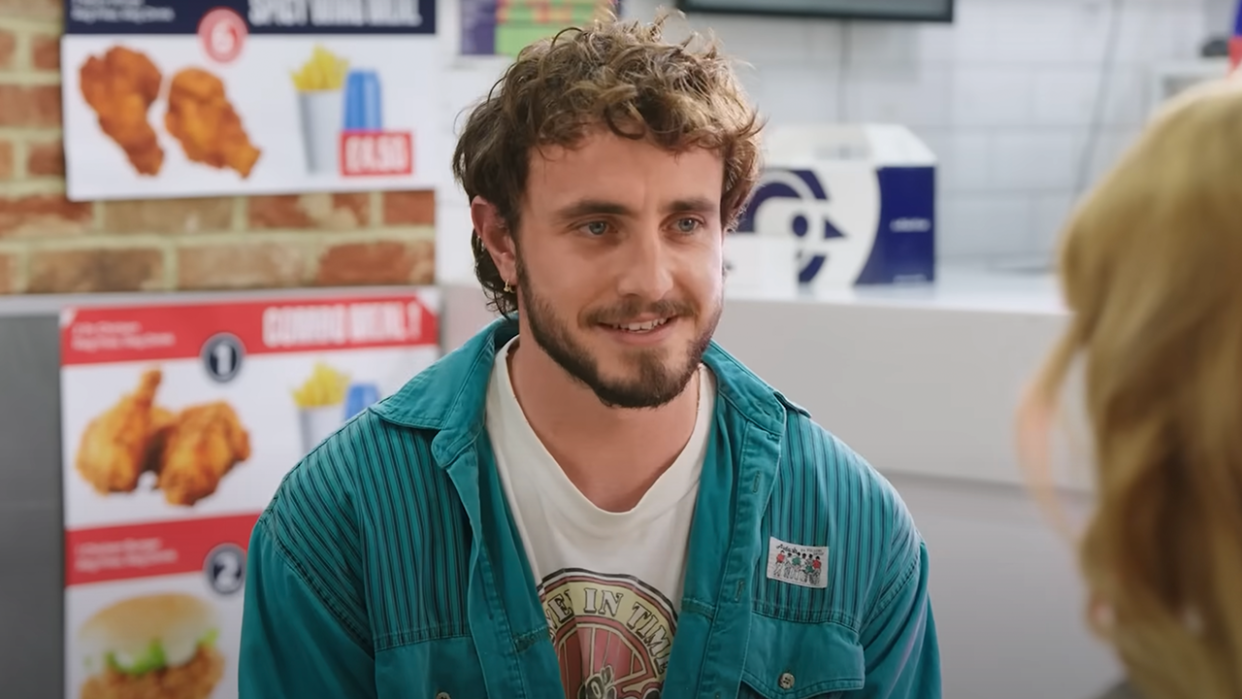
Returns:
<point x="621" y="75"/>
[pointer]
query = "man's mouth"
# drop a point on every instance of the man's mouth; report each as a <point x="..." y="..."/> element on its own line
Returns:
<point x="644" y="327"/>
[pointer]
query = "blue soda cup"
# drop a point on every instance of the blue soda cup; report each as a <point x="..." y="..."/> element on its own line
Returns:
<point x="364" y="108"/>
<point x="360" y="397"/>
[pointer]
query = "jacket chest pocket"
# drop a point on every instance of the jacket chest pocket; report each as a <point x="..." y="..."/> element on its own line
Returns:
<point x="446" y="668"/>
<point x="791" y="660"/>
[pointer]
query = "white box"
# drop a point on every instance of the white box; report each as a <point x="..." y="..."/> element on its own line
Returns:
<point x="859" y="200"/>
<point x="761" y="266"/>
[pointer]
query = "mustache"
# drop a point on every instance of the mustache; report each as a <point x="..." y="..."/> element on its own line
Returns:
<point x="626" y="310"/>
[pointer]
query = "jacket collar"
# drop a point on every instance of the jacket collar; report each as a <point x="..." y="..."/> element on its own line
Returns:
<point x="450" y="396"/>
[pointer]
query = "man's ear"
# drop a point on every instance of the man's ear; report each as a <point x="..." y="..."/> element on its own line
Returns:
<point x="496" y="237"/>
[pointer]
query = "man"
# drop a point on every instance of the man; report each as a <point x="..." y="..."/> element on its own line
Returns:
<point x="591" y="499"/>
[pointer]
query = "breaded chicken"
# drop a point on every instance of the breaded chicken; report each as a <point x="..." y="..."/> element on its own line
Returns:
<point x="120" y="88"/>
<point x="209" y="129"/>
<point x="162" y="421"/>
<point x="194" y="680"/>
<point x="115" y="446"/>
<point x="204" y="443"/>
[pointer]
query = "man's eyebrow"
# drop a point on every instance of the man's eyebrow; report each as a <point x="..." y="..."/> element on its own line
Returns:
<point x="592" y="207"/>
<point x="694" y="205"/>
<point x="601" y="207"/>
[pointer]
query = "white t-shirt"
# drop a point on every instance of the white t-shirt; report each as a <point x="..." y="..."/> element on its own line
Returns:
<point x="610" y="583"/>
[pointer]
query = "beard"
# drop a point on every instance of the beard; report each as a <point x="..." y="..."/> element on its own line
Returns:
<point x="655" y="377"/>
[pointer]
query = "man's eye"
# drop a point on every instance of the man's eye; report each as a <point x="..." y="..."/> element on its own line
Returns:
<point x="688" y="225"/>
<point x="595" y="228"/>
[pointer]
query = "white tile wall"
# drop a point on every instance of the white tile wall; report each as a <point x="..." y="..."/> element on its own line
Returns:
<point x="1005" y="96"/>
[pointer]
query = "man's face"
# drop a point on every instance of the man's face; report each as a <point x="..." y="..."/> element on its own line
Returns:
<point x="619" y="264"/>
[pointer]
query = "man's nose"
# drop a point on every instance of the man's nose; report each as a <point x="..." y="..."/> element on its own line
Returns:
<point x="646" y="266"/>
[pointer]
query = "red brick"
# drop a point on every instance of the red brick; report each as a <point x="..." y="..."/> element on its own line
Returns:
<point x="99" y="270"/>
<point x="410" y="208"/>
<point x="45" y="52"/>
<point x="240" y="266"/>
<point x="377" y="263"/>
<point x="30" y="105"/>
<point x="6" y="160"/>
<point x="32" y="9"/>
<point x="8" y="49"/>
<point x="45" y="159"/>
<point x="168" y="216"/>
<point x="322" y="211"/>
<point x="43" y="215"/>
<point x="8" y="273"/>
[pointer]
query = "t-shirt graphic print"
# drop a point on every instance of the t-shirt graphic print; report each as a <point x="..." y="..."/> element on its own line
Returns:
<point x="612" y="634"/>
<point x="609" y="582"/>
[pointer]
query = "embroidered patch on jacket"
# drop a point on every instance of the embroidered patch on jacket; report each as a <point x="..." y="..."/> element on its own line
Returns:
<point x="806" y="566"/>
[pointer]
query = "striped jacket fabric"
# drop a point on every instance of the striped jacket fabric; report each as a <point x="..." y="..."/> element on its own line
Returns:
<point x="387" y="565"/>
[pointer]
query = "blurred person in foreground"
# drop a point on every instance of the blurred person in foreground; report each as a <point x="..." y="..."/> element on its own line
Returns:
<point x="591" y="499"/>
<point x="1151" y="267"/>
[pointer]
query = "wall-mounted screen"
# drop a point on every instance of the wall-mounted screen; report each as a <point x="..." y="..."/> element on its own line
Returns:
<point x="896" y="10"/>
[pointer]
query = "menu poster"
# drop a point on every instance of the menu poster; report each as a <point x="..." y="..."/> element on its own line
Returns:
<point x="504" y="27"/>
<point x="179" y="423"/>
<point x="167" y="98"/>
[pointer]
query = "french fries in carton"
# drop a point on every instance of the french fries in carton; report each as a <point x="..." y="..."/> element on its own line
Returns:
<point x="325" y="386"/>
<point x="323" y="71"/>
<point x="320" y="402"/>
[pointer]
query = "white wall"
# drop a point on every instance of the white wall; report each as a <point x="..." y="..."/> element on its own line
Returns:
<point x="1005" y="96"/>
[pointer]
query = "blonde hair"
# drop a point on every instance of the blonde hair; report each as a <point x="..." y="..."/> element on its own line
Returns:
<point x="1151" y="269"/>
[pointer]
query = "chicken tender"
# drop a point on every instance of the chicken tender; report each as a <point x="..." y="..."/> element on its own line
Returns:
<point x="194" y="680"/>
<point x="200" y="448"/>
<point x="120" y="88"/>
<point x="209" y="129"/>
<point x="115" y="446"/>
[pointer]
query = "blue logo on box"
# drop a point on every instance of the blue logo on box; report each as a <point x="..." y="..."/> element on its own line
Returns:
<point x="799" y="185"/>
<point x="883" y="232"/>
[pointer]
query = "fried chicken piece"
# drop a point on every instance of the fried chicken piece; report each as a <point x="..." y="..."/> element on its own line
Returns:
<point x="205" y="443"/>
<point x="194" y="680"/>
<point x="120" y="88"/>
<point x="203" y="120"/>
<point x="162" y="421"/>
<point x="114" y="449"/>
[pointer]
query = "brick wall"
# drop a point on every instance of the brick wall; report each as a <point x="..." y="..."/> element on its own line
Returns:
<point x="50" y="245"/>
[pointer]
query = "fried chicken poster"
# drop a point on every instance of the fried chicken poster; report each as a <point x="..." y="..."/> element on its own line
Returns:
<point x="195" y="98"/>
<point x="178" y="423"/>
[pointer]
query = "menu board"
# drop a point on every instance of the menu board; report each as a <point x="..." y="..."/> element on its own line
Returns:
<point x="179" y="423"/>
<point x="166" y="98"/>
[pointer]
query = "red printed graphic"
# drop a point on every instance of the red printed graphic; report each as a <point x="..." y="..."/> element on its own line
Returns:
<point x="97" y="336"/>
<point x="150" y="550"/>
<point x="612" y="634"/>
<point x="372" y="153"/>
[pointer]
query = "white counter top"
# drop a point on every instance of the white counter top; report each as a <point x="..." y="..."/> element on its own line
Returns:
<point x="958" y="288"/>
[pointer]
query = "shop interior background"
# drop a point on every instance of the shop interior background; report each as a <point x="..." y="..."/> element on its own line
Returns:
<point x="1025" y="103"/>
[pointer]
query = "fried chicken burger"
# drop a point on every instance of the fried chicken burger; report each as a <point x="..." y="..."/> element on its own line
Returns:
<point x="153" y="647"/>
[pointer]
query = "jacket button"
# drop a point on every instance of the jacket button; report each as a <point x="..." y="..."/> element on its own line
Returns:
<point x="786" y="681"/>
<point x="442" y="695"/>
